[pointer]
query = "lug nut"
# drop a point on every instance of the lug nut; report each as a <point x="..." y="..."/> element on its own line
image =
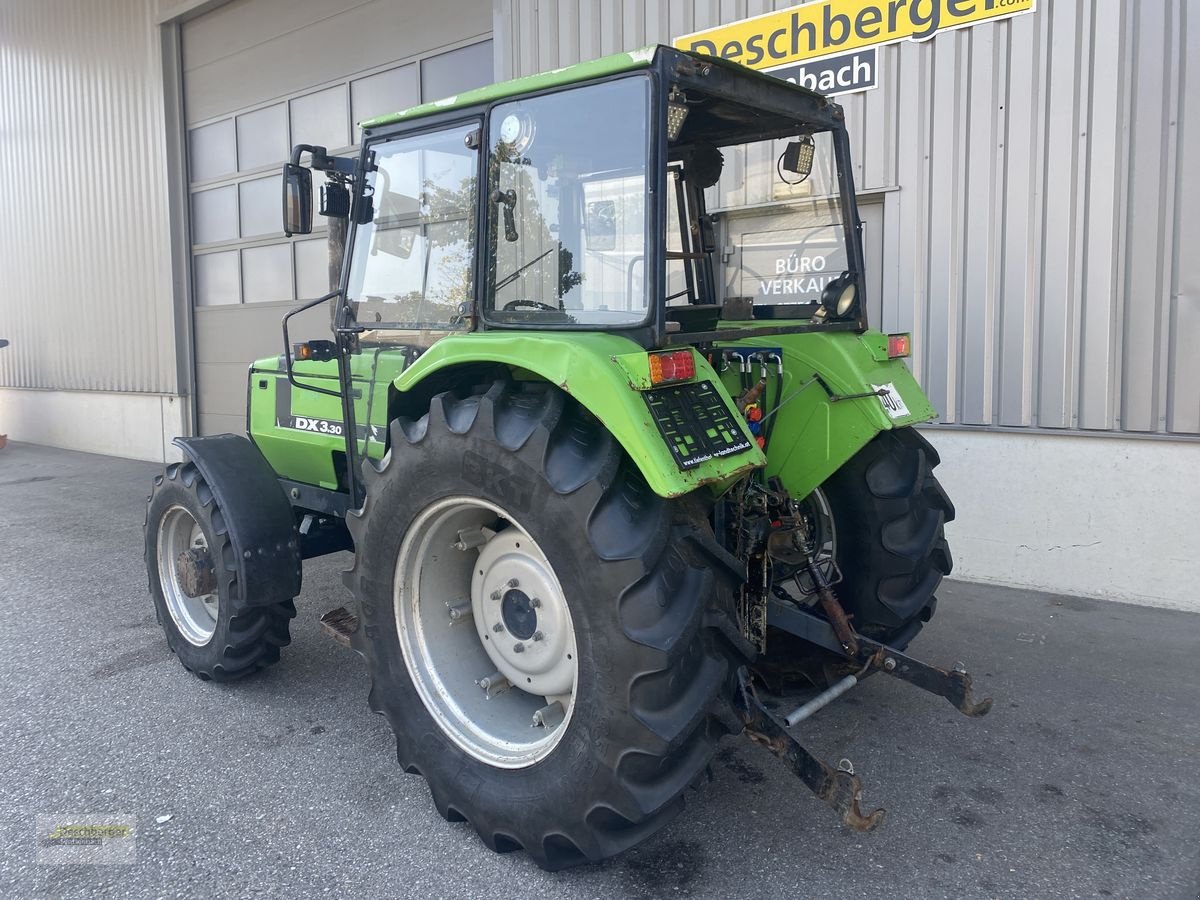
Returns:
<point x="537" y="635"/>
<point x="495" y="595"/>
<point x="535" y="602"/>
<point x="518" y="648"/>
<point x="498" y="627"/>
<point x="512" y="583"/>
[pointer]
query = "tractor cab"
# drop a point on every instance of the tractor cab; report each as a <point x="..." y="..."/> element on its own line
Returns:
<point x="581" y="206"/>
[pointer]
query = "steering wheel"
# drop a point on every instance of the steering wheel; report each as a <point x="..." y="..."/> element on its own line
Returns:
<point x="530" y="304"/>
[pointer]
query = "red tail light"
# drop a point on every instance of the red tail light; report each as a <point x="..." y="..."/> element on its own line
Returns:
<point x="674" y="365"/>
<point x="899" y="345"/>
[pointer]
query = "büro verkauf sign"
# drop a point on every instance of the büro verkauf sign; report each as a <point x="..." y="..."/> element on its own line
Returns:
<point x="830" y="45"/>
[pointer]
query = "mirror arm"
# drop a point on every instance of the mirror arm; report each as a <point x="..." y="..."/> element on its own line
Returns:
<point x="322" y="161"/>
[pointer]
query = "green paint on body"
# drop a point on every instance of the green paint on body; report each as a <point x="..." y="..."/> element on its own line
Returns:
<point x="814" y="435"/>
<point x="593" y="368"/>
<point x="608" y="374"/>
<point x="311" y="453"/>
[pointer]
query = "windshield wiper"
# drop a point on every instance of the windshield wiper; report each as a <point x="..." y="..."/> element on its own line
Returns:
<point x="515" y="273"/>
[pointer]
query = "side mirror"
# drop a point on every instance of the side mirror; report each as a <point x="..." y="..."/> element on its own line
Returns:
<point x="297" y="200"/>
<point x="602" y="225"/>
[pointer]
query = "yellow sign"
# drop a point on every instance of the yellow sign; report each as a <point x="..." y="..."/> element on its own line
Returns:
<point x="816" y="30"/>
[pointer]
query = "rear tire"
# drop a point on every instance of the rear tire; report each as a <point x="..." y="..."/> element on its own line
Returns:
<point x="217" y="635"/>
<point x="889" y="513"/>
<point x="656" y="647"/>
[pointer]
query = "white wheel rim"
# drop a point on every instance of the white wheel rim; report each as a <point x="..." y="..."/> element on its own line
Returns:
<point x="471" y="586"/>
<point x="195" y="617"/>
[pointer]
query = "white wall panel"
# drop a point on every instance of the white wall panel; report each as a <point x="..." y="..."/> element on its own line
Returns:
<point x="1063" y="521"/>
<point x="248" y="52"/>
<point x="1183" y="413"/>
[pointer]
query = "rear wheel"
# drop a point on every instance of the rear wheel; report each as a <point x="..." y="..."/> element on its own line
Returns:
<point x="886" y="515"/>
<point x="548" y="638"/>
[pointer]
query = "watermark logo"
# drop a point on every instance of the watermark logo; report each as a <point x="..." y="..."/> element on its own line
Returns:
<point x="87" y="839"/>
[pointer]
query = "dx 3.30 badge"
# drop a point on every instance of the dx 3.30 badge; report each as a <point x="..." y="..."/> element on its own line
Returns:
<point x="319" y="426"/>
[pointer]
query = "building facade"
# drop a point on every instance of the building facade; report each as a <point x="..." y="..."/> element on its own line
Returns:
<point x="1024" y="184"/>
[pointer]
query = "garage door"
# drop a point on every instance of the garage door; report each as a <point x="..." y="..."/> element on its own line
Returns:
<point x="260" y="76"/>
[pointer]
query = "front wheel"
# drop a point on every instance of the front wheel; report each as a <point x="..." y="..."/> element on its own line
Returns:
<point x="544" y="633"/>
<point x="210" y="626"/>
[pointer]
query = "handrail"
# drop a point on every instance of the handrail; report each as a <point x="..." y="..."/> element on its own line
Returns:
<point x="287" y="344"/>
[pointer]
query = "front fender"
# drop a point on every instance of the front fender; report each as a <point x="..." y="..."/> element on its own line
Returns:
<point x="262" y="527"/>
<point x="588" y="367"/>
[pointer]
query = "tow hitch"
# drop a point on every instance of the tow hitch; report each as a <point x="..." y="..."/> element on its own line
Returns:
<point x="839" y="787"/>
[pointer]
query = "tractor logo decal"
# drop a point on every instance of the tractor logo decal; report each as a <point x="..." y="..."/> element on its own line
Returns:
<point x="320" y="426"/>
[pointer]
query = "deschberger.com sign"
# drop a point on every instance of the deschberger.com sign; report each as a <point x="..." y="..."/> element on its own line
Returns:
<point x="820" y="35"/>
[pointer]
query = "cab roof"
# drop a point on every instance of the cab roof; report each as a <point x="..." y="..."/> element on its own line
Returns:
<point x="605" y="66"/>
<point x="584" y="71"/>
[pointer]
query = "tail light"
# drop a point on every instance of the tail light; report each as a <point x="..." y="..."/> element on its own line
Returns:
<point x="672" y="366"/>
<point x="899" y="345"/>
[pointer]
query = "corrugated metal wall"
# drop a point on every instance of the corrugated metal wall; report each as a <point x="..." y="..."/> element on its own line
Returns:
<point x="1041" y="245"/>
<point x="84" y="240"/>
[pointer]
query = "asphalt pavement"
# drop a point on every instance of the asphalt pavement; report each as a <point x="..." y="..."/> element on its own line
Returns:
<point x="1083" y="782"/>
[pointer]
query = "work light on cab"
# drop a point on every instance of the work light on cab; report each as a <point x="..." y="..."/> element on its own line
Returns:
<point x="839" y="300"/>
<point x="672" y="366"/>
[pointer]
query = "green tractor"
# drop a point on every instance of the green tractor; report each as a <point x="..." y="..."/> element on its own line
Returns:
<point x="603" y="512"/>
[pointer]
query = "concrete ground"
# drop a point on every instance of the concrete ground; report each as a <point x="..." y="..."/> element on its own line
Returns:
<point x="1083" y="782"/>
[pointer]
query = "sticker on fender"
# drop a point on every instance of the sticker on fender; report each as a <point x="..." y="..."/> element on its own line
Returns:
<point x="893" y="403"/>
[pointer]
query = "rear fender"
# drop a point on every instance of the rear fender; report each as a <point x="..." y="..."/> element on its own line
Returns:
<point x="599" y="371"/>
<point x="832" y="412"/>
<point x="261" y="524"/>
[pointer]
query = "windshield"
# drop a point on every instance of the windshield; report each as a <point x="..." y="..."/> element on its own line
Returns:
<point x="567" y="207"/>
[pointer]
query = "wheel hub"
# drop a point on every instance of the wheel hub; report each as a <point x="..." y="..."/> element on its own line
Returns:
<point x="513" y="587"/>
<point x="485" y="632"/>
<point x="518" y="614"/>
<point x="186" y="576"/>
<point x="195" y="572"/>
